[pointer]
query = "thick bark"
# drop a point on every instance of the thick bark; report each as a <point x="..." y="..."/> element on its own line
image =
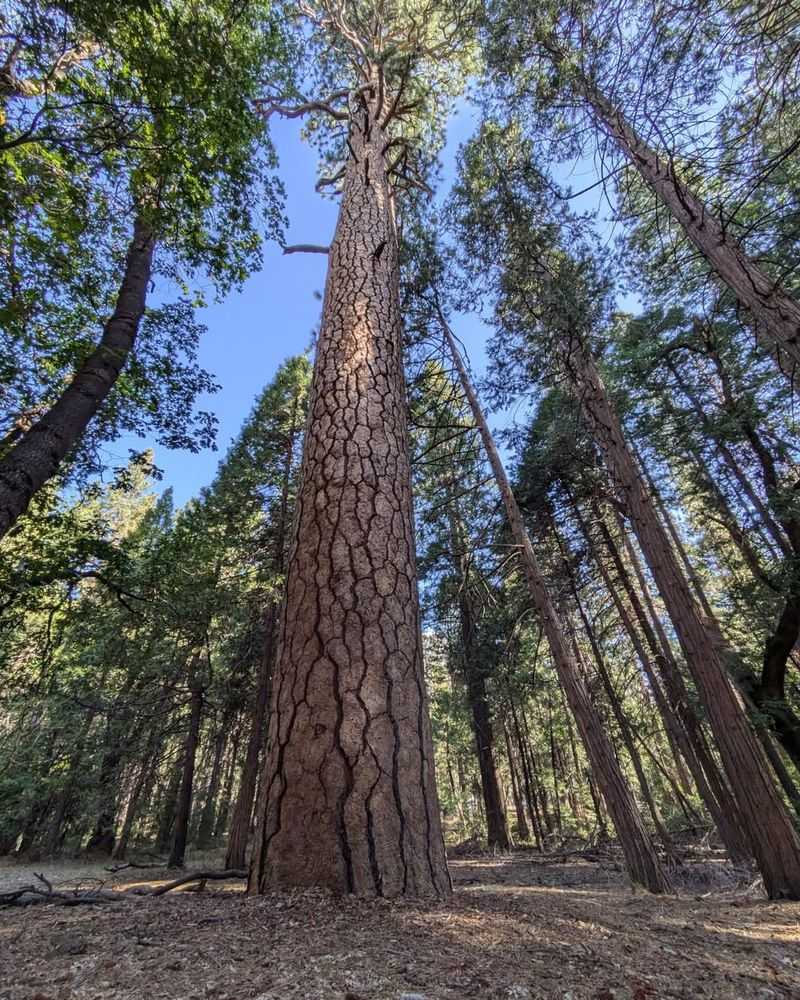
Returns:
<point x="183" y="808"/>
<point x="640" y="855"/>
<point x="772" y="835"/>
<point x="348" y="796"/>
<point x="776" y="314"/>
<point x="35" y="458"/>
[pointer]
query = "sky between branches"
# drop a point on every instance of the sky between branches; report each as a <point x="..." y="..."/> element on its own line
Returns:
<point x="276" y="313"/>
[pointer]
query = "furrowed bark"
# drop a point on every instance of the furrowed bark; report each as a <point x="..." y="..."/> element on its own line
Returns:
<point x="36" y="457"/>
<point x="348" y="796"/>
<point x="640" y="855"/>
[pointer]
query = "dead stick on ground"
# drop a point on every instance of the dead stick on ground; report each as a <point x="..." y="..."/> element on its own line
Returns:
<point x="232" y="873"/>
<point x="29" y="894"/>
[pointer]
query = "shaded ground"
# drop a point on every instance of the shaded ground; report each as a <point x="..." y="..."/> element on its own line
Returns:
<point x="516" y="928"/>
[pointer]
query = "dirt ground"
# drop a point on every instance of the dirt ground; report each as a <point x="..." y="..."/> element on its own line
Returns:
<point x="517" y="928"/>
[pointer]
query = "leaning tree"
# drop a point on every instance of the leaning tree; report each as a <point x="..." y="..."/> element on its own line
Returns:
<point x="348" y="798"/>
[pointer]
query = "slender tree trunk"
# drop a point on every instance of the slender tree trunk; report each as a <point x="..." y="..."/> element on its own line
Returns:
<point x="784" y="720"/>
<point x="640" y="856"/>
<point x="35" y="458"/>
<point x="348" y="796"/>
<point x="715" y="499"/>
<point x="227" y="785"/>
<point x="144" y="776"/>
<point x="455" y="789"/>
<point x="530" y="788"/>
<point x="772" y="835"/>
<point x="523" y="832"/>
<point x="168" y="807"/>
<point x="679" y="718"/>
<point x="243" y="810"/>
<point x="621" y="720"/>
<point x="205" y="828"/>
<point x="733" y="465"/>
<point x="183" y="809"/>
<point x="102" y="839"/>
<point x="475" y="682"/>
<point x="776" y="314"/>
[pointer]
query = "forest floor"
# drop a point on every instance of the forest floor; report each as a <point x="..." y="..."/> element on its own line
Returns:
<point x="518" y="927"/>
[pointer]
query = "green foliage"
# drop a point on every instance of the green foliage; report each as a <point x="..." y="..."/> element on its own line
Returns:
<point x="115" y="111"/>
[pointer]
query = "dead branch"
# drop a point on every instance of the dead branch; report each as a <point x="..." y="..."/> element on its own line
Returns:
<point x="134" y="864"/>
<point x="266" y="108"/>
<point x="329" y="179"/>
<point x="232" y="873"/>
<point x="306" y="248"/>
<point x="27" y="895"/>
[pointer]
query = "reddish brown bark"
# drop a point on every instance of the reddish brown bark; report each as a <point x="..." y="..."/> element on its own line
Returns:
<point x="640" y="856"/>
<point x="775" y="313"/>
<point x="772" y="835"/>
<point x="348" y="797"/>
<point x="678" y="716"/>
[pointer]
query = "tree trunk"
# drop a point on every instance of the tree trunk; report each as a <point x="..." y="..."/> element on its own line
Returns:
<point x="183" y="809"/>
<point x="35" y="458"/>
<point x="205" y="828"/>
<point x="144" y="776"/>
<point x="776" y="314"/>
<point x="243" y="810"/>
<point x="496" y="830"/>
<point x="774" y="840"/>
<point x="223" y="809"/>
<point x="733" y="465"/>
<point x="678" y="716"/>
<point x="239" y="832"/>
<point x="102" y="839"/>
<point x="348" y="795"/>
<point x="640" y="856"/>
<point x="621" y="720"/>
<point x="523" y="833"/>
<point x="529" y="784"/>
<point x="168" y="807"/>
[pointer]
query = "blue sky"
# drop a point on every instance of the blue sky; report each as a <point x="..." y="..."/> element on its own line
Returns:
<point x="274" y="315"/>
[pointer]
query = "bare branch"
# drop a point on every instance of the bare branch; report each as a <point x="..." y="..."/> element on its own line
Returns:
<point x="306" y="248"/>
